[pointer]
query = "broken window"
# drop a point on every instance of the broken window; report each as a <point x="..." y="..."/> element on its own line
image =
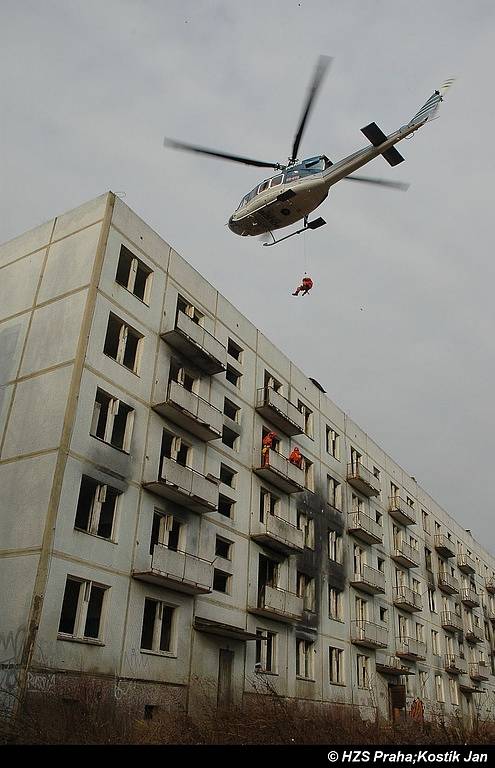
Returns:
<point x="158" y="626"/>
<point x="307" y="525"/>
<point x="269" y="504"/>
<point x="336" y="665"/>
<point x="235" y="350"/>
<point x="227" y="475"/>
<point x="230" y="438"/>
<point x="167" y="531"/>
<point x="268" y="571"/>
<point x="335" y="546"/>
<point x="182" y="376"/>
<point x="175" y="448"/>
<point x="123" y="343"/>
<point x="304" y="658"/>
<point x="225" y="506"/>
<point x="265" y="650"/>
<point x="332" y="439"/>
<point x="112" y="421"/>
<point x="221" y="581"/>
<point x="231" y="410"/>
<point x="309" y="480"/>
<point x="306" y="590"/>
<point x="223" y="548"/>
<point x="183" y="305"/>
<point x="363" y="675"/>
<point x="82" y="608"/>
<point x="334" y="493"/>
<point x="134" y="275"/>
<point x="273" y="383"/>
<point x="96" y="508"/>
<point x="308" y="417"/>
<point x="233" y="376"/>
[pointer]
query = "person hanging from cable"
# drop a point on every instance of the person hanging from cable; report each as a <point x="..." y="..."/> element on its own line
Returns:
<point x="305" y="286"/>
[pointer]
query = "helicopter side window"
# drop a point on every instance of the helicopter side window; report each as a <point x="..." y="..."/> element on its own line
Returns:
<point x="276" y="181"/>
<point x="263" y="186"/>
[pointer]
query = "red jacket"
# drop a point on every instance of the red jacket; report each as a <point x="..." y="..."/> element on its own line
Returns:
<point x="307" y="282"/>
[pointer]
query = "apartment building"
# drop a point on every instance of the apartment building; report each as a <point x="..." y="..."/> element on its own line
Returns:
<point x="148" y="540"/>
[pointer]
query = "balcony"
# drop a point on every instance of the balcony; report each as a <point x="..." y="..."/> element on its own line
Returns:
<point x="410" y="648"/>
<point x="465" y="563"/>
<point x="369" y="635"/>
<point x="279" y="534"/>
<point x="370" y="580"/>
<point x="405" y="554"/>
<point x="197" y="344"/>
<point x="478" y="671"/>
<point x="444" y="546"/>
<point x="451" y="622"/>
<point x="390" y="665"/>
<point x="185" y="486"/>
<point x="490" y="585"/>
<point x="448" y="583"/>
<point x="474" y="635"/>
<point x="401" y="511"/>
<point x="407" y="599"/>
<point x="178" y="570"/>
<point x="279" y="411"/>
<point x="278" y="471"/>
<point x="363" y="527"/>
<point x="454" y="664"/>
<point x="469" y="597"/>
<point x="279" y="604"/>
<point x="362" y="479"/>
<point x="191" y="412"/>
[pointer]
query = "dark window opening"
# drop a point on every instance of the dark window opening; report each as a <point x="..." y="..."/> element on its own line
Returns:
<point x="220" y="581"/>
<point x="227" y="475"/>
<point x="225" y="506"/>
<point x="234" y="350"/>
<point x="93" y="616"/>
<point x="70" y="602"/>
<point x="222" y="548"/>
<point x="233" y="376"/>
<point x="229" y="437"/>
<point x="230" y="409"/>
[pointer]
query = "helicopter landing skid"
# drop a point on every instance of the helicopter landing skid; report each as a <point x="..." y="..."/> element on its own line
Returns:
<point x="316" y="224"/>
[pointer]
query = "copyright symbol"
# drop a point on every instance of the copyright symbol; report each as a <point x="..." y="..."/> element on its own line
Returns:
<point x="333" y="757"/>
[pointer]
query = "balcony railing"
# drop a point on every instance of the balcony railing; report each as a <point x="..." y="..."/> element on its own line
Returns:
<point x="490" y="585"/>
<point x="362" y="479"/>
<point x="280" y="604"/>
<point x="405" y="553"/>
<point x="448" y="583"/>
<point x="279" y="411"/>
<point x="478" y="671"/>
<point x="454" y="664"/>
<point x="474" y="634"/>
<point x="185" y="486"/>
<point x="407" y="599"/>
<point x="197" y="344"/>
<point x="369" y="580"/>
<point x="465" y="563"/>
<point x="390" y="665"/>
<point x="177" y="570"/>
<point x="279" y="534"/>
<point x="469" y="597"/>
<point x="368" y="634"/>
<point x="401" y="511"/>
<point x="451" y="622"/>
<point x="410" y="648"/>
<point x="191" y="412"/>
<point x="444" y="546"/>
<point x="363" y="527"/>
<point x="278" y="471"/>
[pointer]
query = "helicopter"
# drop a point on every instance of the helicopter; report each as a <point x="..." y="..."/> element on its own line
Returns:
<point x="299" y="187"/>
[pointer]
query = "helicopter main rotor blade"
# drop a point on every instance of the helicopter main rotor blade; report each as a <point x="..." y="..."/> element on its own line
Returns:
<point x="399" y="185"/>
<point x="222" y="155"/>
<point x="321" y="68"/>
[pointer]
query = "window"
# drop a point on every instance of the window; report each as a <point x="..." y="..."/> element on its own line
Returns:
<point x="233" y="376"/>
<point x="82" y="608"/>
<point x="225" y="506"/>
<point x="435" y="648"/>
<point x="96" y="508"/>
<point x="227" y="475"/>
<point x="308" y="418"/>
<point x="123" y="343"/>
<point x="309" y="480"/>
<point x="357" y="503"/>
<point x="269" y="505"/>
<point x="190" y="310"/>
<point x="304" y="658"/>
<point x="356" y="458"/>
<point x="175" y="448"/>
<point x="394" y="493"/>
<point x="379" y="517"/>
<point x="439" y="688"/>
<point x="231" y="410"/>
<point x="336" y="665"/>
<point x="230" y="438"/>
<point x="158" y="627"/>
<point x="223" y="548"/>
<point x="333" y="442"/>
<point x="221" y="581"/>
<point x="380" y="564"/>
<point x="361" y="608"/>
<point x="235" y="350"/>
<point x="453" y="691"/>
<point x="112" y="421"/>
<point x="419" y="632"/>
<point x="271" y="381"/>
<point x="335" y="546"/>
<point x="425" y="520"/>
<point x="428" y="559"/>
<point x="383" y="615"/>
<point x="182" y="376"/>
<point x="167" y="531"/>
<point x="134" y="275"/>
<point x="334" y="493"/>
<point x="362" y="669"/>
<point x="307" y="525"/>
<point x="423" y="684"/>
<point x="266" y="647"/>
<point x="376" y="473"/>
<point x="409" y="502"/>
<point x="306" y="590"/>
<point x="415" y="586"/>
<point x="335" y="604"/>
<point x="267" y="573"/>
<point x="432" y="603"/>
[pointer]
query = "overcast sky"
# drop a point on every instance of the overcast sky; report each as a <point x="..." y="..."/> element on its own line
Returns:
<point x="399" y="327"/>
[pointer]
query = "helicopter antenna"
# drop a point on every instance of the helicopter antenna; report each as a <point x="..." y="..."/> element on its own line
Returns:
<point x="320" y="71"/>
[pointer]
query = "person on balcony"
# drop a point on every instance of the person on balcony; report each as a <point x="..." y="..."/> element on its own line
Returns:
<point x="296" y="457"/>
<point x="267" y="444"/>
